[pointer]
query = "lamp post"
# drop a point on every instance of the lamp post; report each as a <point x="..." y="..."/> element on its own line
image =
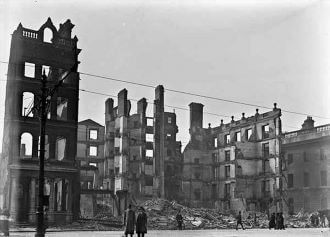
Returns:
<point x="40" y="231"/>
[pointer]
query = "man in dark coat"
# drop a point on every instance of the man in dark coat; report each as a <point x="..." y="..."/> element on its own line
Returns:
<point x="239" y="220"/>
<point x="141" y="223"/>
<point x="129" y="221"/>
<point x="272" y="221"/>
<point x="179" y="220"/>
<point x="282" y="227"/>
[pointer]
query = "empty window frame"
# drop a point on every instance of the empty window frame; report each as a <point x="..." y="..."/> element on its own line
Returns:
<point x="324" y="178"/>
<point x="48" y="35"/>
<point x="168" y="136"/>
<point x="93" y="164"/>
<point x="29" y="70"/>
<point x="62" y="108"/>
<point x="26" y="145"/>
<point x="46" y="147"/>
<point x="150" y="153"/>
<point x="238" y="136"/>
<point x="93" y="134"/>
<point x="169" y="120"/>
<point x="149" y="137"/>
<point x="150" y="122"/>
<point x="149" y="181"/>
<point x="45" y="69"/>
<point x="92" y="150"/>
<point x="215" y="157"/>
<point x="227" y="155"/>
<point x="227" y="190"/>
<point x="227" y="139"/>
<point x="27" y="104"/>
<point x="60" y="148"/>
<point x="215" y="142"/>
<point x="265" y="131"/>
<point x="248" y="134"/>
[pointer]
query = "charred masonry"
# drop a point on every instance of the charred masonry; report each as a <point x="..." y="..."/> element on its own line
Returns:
<point x="33" y="51"/>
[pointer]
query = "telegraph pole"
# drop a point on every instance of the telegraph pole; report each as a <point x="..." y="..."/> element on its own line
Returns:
<point x="42" y="115"/>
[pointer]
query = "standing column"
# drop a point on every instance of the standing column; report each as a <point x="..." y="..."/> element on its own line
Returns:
<point x="69" y="202"/>
<point x="32" y="211"/>
<point x="13" y="197"/>
<point x="51" y="202"/>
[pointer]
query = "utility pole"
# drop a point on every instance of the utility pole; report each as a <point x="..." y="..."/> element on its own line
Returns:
<point x="42" y="115"/>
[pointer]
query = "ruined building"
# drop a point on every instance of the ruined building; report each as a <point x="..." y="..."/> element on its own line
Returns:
<point x="138" y="147"/>
<point x="33" y="51"/>
<point x="307" y="163"/>
<point x="234" y="166"/>
<point x="90" y="154"/>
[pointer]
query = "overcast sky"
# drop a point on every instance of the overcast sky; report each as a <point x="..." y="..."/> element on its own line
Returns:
<point x="257" y="52"/>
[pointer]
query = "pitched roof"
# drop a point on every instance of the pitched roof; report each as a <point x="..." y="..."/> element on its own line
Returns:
<point x="90" y="122"/>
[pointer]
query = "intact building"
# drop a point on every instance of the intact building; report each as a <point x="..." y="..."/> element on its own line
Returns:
<point x="33" y="51"/>
<point x="307" y="165"/>
<point x="234" y="166"/>
<point x="138" y="147"/>
<point x="90" y="154"/>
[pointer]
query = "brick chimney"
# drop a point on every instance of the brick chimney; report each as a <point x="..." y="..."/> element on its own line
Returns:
<point x="308" y="123"/>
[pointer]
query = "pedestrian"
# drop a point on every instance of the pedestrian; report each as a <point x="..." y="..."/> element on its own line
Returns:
<point x="277" y="221"/>
<point x="141" y="223"/>
<point x="129" y="221"/>
<point x="239" y="220"/>
<point x="179" y="220"/>
<point x="323" y="220"/>
<point x="272" y="222"/>
<point x="281" y="225"/>
<point x="4" y="222"/>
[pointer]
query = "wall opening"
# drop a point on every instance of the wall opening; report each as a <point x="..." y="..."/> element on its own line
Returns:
<point x="60" y="148"/>
<point x="27" y="104"/>
<point x="48" y="35"/>
<point x="29" y="70"/>
<point x="62" y="108"/>
<point x="26" y="145"/>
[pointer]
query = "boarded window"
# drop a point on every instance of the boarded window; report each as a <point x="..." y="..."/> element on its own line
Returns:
<point x="290" y="159"/>
<point x="290" y="180"/>
<point x="46" y="147"/>
<point x="26" y="145"/>
<point x="93" y="151"/>
<point x="227" y="171"/>
<point x="60" y="148"/>
<point x="306" y="179"/>
<point x="27" y="104"/>
<point x="62" y="108"/>
<point x="29" y="70"/>
<point x="93" y="134"/>
<point x="227" y="155"/>
<point x="324" y="178"/>
<point x="148" y="181"/>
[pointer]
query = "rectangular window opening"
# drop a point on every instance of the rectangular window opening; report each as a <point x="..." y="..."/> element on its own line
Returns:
<point x="29" y="70"/>
<point x="93" y="134"/>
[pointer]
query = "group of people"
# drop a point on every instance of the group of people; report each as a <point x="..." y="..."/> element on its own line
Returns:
<point x="318" y="220"/>
<point x="276" y="221"/>
<point x="138" y="224"/>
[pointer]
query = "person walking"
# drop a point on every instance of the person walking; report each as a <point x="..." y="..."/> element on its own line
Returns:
<point x="281" y="225"/>
<point x="141" y="223"/>
<point x="239" y="220"/>
<point x="179" y="220"/>
<point x="129" y="221"/>
<point x="272" y="221"/>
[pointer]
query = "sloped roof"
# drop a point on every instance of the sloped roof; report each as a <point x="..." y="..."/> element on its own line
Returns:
<point x="90" y="122"/>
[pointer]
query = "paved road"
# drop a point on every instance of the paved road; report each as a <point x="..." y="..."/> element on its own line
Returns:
<point x="198" y="233"/>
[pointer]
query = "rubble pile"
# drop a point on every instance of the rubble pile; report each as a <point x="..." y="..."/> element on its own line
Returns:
<point x="161" y="215"/>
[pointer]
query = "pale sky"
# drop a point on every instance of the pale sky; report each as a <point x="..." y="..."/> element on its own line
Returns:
<point x="257" y="52"/>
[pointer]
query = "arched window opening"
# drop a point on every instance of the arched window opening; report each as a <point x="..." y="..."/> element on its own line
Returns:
<point x="48" y="35"/>
<point x="26" y="145"/>
<point x="62" y="108"/>
<point x="46" y="147"/>
<point x="27" y="104"/>
<point x="60" y="148"/>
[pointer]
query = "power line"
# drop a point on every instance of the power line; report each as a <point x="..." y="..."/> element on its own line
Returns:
<point x="192" y="94"/>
